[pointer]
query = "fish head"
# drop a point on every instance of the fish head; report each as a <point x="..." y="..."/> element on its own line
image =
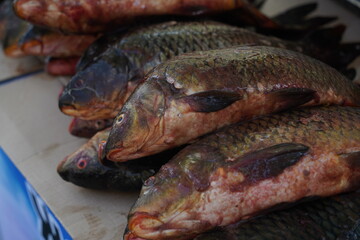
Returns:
<point x="83" y="167"/>
<point x="168" y="206"/>
<point x="99" y="89"/>
<point x="138" y="124"/>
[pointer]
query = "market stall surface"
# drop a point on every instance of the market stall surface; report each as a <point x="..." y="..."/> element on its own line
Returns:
<point x="34" y="134"/>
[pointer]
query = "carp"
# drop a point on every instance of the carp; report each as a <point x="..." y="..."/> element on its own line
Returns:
<point x="244" y="169"/>
<point x="197" y="93"/>
<point x="84" y="169"/>
<point x="115" y="65"/>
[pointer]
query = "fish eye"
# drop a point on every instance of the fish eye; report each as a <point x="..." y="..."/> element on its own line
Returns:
<point x="120" y="118"/>
<point x="81" y="164"/>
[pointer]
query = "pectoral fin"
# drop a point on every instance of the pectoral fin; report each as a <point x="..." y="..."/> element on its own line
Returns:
<point x="291" y="97"/>
<point x="211" y="101"/>
<point x="269" y="162"/>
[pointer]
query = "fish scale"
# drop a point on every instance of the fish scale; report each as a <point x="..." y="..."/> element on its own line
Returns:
<point x="250" y="136"/>
<point x="302" y="153"/>
<point x="249" y="64"/>
<point x="327" y="218"/>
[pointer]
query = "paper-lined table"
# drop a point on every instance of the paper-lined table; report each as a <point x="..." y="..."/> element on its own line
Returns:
<point x="34" y="134"/>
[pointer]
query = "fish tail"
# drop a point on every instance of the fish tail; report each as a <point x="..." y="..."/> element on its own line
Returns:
<point x="344" y="54"/>
<point x="325" y="44"/>
<point x="295" y="15"/>
<point x="258" y="3"/>
<point x="294" y="24"/>
<point x="326" y="37"/>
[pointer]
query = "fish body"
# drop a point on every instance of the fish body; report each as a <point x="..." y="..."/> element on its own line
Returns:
<point x="88" y="128"/>
<point x="207" y="90"/>
<point x="245" y="169"/>
<point x="96" y="16"/>
<point x="84" y="169"/>
<point x="331" y="218"/>
<point x="114" y="66"/>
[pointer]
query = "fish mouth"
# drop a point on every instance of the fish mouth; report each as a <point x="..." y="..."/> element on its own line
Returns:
<point x="66" y="102"/>
<point x="114" y="154"/>
<point x="146" y="226"/>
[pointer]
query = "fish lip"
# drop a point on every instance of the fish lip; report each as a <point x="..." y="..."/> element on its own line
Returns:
<point x="142" y="225"/>
<point x="138" y="222"/>
<point x="64" y="104"/>
<point x="131" y="236"/>
<point x="111" y="154"/>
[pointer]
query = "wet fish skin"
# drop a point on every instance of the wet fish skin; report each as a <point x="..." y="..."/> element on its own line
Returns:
<point x="88" y="128"/>
<point x="331" y="218"/>
<point x="101" y="86"/>
<point x="39" y="41"/>
<point x="80" y="16"/>
<point x="242" y="170"/>
<point x="84" y="169"/>
<point x="208" y="90"/>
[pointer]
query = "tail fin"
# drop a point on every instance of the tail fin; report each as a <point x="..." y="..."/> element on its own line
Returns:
<point x="325" y="44"/>
<point x="258" y="3"/>
<point x="293" y="24"/>
<point x="326" y="37"/>
<point x="345" y="54"/>
<point x="349" y="73"/>
<point x="295" y="15"/>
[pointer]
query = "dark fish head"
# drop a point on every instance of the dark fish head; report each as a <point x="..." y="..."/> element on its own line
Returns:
<point x="99" y="89"/>
<point x="165" y="208"/>
<point x="83" y="167"/>
<point x="138" y="124"/>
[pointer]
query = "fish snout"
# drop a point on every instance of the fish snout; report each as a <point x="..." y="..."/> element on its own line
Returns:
<point x="111" y="149"/>
<point x="143" y="225"/>
<point x="62" y="171"/>
<point x="66" y="101"/>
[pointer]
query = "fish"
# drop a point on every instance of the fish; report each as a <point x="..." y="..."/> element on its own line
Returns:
<point x="88" y="128"/>
<point x="37" y="41"/>
<point x="90" y="17"/>
<point x="84" y="169"/>
<point x="12" y="30"/>
<point x="336" y="217"/>
<point x="61" y="66"/>
<point x="247" y="168"/>
<point x="116" y="64"/>
<point x="211" y="89"/>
